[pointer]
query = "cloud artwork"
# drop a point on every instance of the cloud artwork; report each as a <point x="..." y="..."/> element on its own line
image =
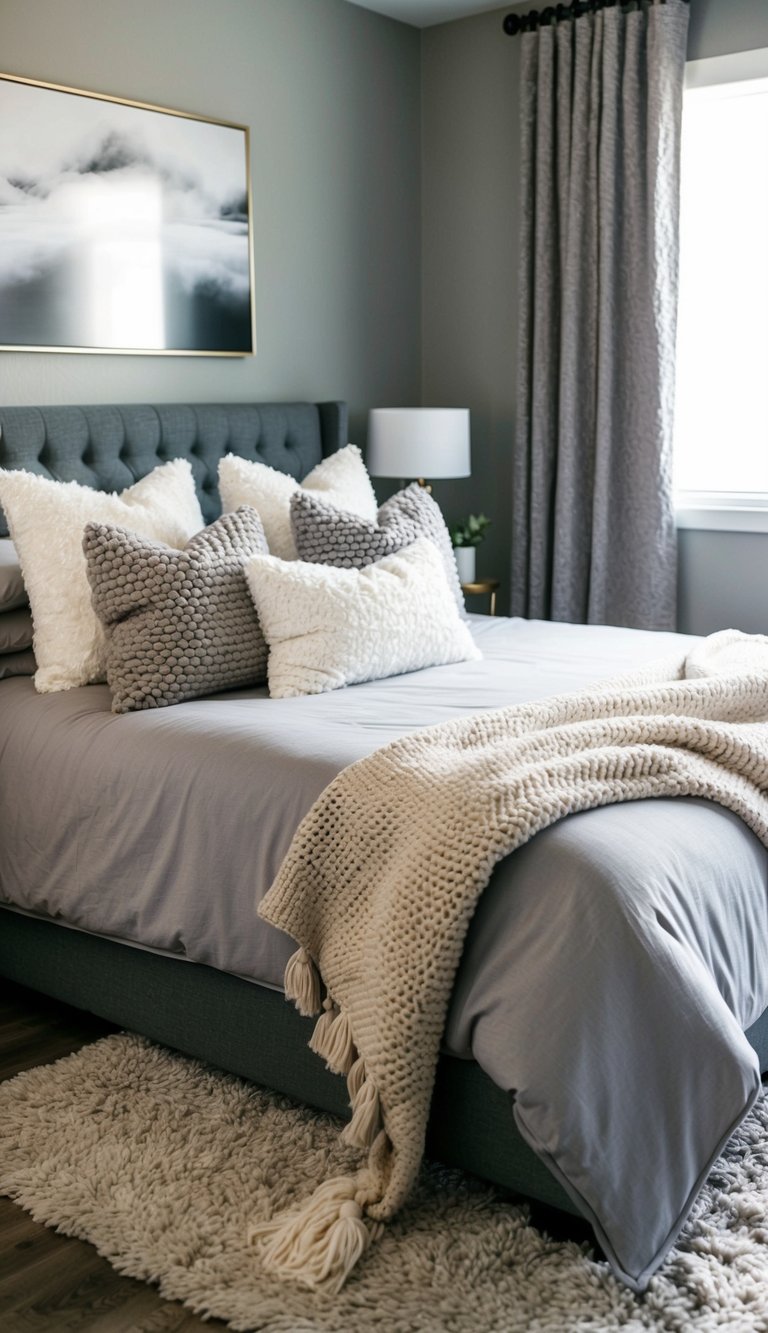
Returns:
<point x="121" y="228"/>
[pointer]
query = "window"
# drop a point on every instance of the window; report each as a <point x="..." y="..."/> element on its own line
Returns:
<point x="721" y="426"/>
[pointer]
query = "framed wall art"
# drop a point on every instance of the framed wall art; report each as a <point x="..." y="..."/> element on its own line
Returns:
<point x="124" y="227"/>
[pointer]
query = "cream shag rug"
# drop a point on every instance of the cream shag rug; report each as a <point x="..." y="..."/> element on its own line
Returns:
<point x="162" y="1163"/>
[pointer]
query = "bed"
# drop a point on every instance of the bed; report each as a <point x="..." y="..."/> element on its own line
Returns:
<point x="629" y="944"/>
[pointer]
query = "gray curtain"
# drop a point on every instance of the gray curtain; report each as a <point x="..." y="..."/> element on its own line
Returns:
<point x="593" y="537"/>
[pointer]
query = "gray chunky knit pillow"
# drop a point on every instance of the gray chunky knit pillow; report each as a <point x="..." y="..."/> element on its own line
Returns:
<point x="179" y="623"/>
<point x="325" y="535"/>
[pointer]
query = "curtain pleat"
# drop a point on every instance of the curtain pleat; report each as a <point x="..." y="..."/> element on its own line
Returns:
<point x="593" y="530"/>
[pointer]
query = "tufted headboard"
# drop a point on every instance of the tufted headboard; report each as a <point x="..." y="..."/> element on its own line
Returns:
<point x="110" y="447"/>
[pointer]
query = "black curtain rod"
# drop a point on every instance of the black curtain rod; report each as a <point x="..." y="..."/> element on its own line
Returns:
<point x="515" y="23"/>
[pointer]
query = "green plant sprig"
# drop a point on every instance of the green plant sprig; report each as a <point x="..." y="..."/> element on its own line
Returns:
<point x="471" y="531"/>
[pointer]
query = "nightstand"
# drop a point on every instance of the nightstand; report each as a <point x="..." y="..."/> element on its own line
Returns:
<point x="481" y="586"/>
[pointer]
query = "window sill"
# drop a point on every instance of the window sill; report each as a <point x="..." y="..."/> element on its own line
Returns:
<point x="722" y="517"/>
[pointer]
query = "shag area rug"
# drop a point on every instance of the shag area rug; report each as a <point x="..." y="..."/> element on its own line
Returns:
<point x="162" y="1163"/>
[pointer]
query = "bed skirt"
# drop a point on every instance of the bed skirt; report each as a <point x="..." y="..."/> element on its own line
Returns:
<point x="249" y="1030"/>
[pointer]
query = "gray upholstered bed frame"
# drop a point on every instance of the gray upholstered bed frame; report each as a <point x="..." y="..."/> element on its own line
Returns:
<point x="216" y="1017"/>
<point x="111" y="447"/>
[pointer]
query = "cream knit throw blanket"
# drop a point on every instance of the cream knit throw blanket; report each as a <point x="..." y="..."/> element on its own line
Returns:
<point x="385" y="871"/>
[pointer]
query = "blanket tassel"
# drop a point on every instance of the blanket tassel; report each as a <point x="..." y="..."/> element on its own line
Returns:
<point x="332" y="1039"/>
<point x="320" y="1245"/>
<point x="339" y="1046"/>
<point x="302" y="983"/>
<point x="320" y="1038"/>
<point x="356" y="1078"/>
<point x="366" y="1118"/>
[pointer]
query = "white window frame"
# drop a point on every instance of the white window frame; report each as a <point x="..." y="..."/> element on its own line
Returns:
<point x="724" y="511"/>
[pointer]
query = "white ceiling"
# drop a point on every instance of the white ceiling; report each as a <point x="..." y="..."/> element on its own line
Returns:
<point x="423" y="13"/>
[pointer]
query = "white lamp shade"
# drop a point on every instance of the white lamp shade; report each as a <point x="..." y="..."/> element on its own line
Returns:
<point x="418" y="442"/>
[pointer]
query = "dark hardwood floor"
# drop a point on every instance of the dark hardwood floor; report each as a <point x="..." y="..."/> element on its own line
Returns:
<point x="50" y="1282"/>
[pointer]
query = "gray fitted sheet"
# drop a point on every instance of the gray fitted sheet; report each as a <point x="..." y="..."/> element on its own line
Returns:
<point x="610" y="968"/>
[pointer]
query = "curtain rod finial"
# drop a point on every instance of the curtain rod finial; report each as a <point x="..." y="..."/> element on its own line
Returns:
<point x="515" y="23"/>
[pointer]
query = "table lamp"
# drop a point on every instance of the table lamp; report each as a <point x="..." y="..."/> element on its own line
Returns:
<point x="418" y="442"/>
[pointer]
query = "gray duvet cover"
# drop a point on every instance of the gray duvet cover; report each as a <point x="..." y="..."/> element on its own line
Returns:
<point x="610" y="969"/>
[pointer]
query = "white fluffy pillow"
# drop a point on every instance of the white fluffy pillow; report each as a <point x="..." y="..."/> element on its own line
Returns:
<point x="341" y="479"/>
<point x="47" y="519"/>
<point x="327" y="627"/>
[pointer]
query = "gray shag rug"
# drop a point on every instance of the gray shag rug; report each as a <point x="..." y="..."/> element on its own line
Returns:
<point x="162" y="1163"/>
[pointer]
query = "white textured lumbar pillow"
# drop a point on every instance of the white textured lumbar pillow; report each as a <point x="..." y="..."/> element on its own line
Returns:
<point x="47" y="519"/>
<point x="728" y="652"/>
<point x="341" y="479"/>
<point x="327" y="627"/>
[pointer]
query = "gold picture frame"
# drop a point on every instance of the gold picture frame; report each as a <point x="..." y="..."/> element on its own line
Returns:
<point x="125" y="227"/>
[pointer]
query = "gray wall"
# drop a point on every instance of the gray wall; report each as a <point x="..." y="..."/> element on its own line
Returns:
<point x="723" y="581"/>
<point x="470" y="158"/>
<point x="718" y="27"/>
<point x="331" y="93"/>
<point x="470" y="238"/>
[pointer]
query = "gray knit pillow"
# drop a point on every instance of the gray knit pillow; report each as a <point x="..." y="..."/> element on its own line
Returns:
<point x="179" y="623"/>
<point x="328" y="536"/>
